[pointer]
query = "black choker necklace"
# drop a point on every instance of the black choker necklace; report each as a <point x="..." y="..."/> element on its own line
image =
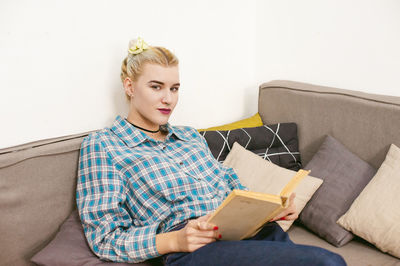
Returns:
<point x="151" y="131"/>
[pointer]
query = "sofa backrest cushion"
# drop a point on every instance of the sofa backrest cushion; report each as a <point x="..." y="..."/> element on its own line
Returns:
<point x="37" y="193"/>
<point x="365" y="123"/>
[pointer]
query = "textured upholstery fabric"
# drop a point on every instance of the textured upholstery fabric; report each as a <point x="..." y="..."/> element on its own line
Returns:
<point x="276" y="143"/>
<point x="375" y="213"/>
<point x="70" y="248"/>
<point x="33" y="208"/>
<point x="262" y="176"/>
<point x="364" y="123"/>
<point x="37" y="193"/>
<point x="356" y="253"/>
<point x="345" y="175"/>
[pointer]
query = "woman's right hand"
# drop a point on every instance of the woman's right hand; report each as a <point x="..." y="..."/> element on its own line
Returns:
<point x="196" y="234"/>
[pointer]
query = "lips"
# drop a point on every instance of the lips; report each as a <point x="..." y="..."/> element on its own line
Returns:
<point x="164" y="111"/>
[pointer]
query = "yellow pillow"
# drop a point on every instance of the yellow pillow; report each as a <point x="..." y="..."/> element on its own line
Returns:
<point x="254" y="121"/>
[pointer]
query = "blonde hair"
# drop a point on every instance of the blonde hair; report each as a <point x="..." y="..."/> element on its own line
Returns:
<point x="133" y="63"/>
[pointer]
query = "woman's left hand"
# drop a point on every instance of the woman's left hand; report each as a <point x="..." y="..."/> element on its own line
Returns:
<point x="290" y="213"/>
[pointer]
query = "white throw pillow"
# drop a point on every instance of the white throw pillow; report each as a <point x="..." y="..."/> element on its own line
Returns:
<point x="375" y="213"/>
<point x="260" y="175"/>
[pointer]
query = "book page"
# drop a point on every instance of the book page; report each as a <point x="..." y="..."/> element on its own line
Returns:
<point x="241" y="214"/>
<point x="244" y="212"/>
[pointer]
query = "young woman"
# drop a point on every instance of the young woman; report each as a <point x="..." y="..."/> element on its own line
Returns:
<point x="146" y="188"/>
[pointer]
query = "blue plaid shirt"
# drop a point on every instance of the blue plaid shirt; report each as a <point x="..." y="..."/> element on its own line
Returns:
<point x="131" y="187"/>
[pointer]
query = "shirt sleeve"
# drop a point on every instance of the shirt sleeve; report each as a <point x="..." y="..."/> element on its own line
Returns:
<point x="232" y="178"/>
<point x="108" y="226"/>
<point x="228" y="173"/>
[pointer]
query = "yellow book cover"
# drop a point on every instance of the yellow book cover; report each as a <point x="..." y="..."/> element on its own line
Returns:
<point x="243" y="213"/>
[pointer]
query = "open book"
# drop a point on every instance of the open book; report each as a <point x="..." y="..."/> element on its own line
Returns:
<point x="243" y="213"/>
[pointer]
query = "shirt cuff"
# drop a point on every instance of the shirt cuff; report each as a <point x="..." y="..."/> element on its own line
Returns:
<point x="143" y="244"/>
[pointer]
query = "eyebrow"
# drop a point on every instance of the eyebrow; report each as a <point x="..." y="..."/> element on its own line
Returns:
<point x="162" y="83"/>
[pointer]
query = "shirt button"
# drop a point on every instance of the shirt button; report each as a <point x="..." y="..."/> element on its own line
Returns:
<point x="181" y="163"/>
<point x="164" y="148"/>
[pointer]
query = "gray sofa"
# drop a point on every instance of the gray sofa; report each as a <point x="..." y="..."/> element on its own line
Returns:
<point x="37" y="180"/>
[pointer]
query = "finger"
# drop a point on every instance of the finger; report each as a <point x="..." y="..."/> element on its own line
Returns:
<point x="292" y="210"/>
<point x="277" y="218"/>
<point x="197" y="228"/>
<point x="205" y="217"/>
<point x="290" y="214"/>
<point x="203" y="225"/>
<point x="208" y="234"/>
<point x="206" y="226"/>
<point x="292" y="196"/>
<point x="291" y="217"/>
<point x="193" y="224"/>
<point x="203" y="240"/>
<point x="282" y="214"/>
<point x="285" y="213"/>
<point x="283" y="218"/>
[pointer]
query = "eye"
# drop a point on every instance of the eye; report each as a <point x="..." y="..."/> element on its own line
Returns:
<point x="156" y="87"/>
<point x="174" y="88"/>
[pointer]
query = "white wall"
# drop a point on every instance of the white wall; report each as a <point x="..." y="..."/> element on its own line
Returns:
<point x="347" y="44"/>
<point x="60" y="60"/>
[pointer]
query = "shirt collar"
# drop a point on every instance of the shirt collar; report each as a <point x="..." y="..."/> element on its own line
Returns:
<point x="132" y="136"/>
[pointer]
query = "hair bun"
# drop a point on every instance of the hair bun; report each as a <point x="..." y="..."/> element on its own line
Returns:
<point x="137" y="46"/>
<point x="132" y="43"/>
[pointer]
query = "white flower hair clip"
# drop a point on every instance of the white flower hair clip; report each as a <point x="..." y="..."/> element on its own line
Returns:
<point x="139" y="46"/>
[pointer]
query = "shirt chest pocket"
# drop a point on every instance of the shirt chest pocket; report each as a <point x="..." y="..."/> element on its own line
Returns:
<point x="184" y="186"/>
<point x="197" y="165"/>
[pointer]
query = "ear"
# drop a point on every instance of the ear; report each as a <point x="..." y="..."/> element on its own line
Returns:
<point x="128" y="85"/>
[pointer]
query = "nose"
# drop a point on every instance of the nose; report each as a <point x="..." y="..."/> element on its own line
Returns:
<point x="167" y="97"/>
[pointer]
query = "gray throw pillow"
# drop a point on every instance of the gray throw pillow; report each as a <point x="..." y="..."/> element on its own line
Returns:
<point x="70" y="248"/>
<point x="345" y="175"/>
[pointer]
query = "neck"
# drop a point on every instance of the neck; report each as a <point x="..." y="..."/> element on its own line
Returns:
<point x="143" y="128"/>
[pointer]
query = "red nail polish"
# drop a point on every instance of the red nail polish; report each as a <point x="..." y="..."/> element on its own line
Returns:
<point x="219" y="236"/>
<point x="283" y="218"/>
<point x="215" y="227"/>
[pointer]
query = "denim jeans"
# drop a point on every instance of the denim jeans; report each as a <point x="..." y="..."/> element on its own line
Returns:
<point x="270" y="246"/>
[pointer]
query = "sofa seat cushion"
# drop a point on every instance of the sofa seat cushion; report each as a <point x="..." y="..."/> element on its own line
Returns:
<point x="357" y="252"/>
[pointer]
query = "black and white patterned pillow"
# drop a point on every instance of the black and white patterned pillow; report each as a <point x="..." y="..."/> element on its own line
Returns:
<point x="276" y="143"/>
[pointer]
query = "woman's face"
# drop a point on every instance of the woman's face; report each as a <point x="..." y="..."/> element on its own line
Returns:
<point x="154" y="95"/>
